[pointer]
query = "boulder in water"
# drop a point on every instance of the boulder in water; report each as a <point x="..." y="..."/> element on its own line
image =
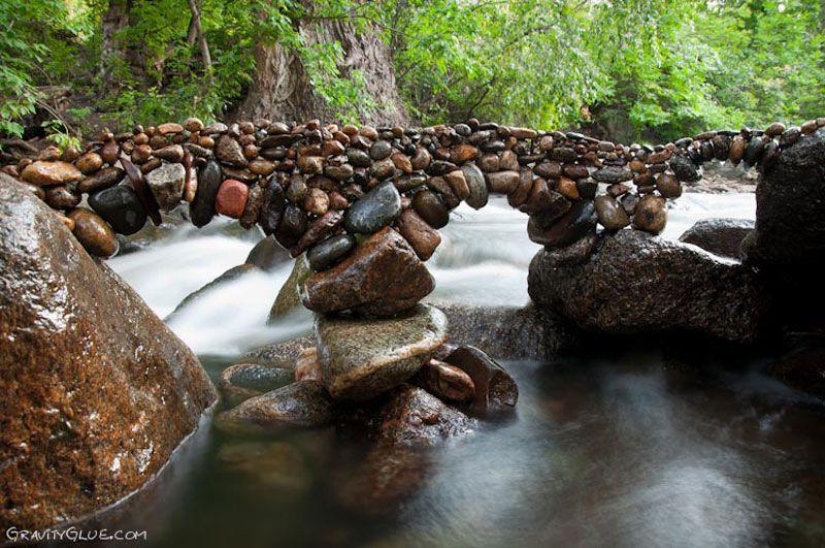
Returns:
<point x="242" y="381"/>
<point x="362" y="358"/>
<point x="635" y="282"/>
<point x="101" y="392"/>
<point x="381" y="277"/>
<point x="721" y="237"/>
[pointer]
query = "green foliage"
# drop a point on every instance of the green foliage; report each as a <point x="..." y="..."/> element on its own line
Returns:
<point x="638" y="69"/>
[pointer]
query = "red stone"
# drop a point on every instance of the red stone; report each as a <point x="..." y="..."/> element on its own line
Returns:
<point x="231" y="198"/>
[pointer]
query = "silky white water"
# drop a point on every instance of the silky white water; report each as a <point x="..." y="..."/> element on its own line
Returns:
<point x="483" y="259"/>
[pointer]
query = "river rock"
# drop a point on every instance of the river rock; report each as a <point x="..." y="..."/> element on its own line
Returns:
<point x="637" y="283"/>
<point x="650" y="214"/>
<point x="105" y="178"/>
<point x="577" y="223"/>
<point x="362" y="358"/>
<point x="202" y="208"/>
<point x="93" y="233"/>
<point x="289" y="296"/>
<point x="120" y="207"/>
<point x="330" y="252"/>
<point x="166" y="184"/>
<point x="229" y="151"/>
<point x="89" y="163"/>
<point x="423" y="238"/>
<point x="414" y="418"/>
<point x="292" y="227"/>
<point x="479" y="193"/>
<point x="431" y="208"/>
<point x="380" y="150"/>
<point x="503" y="182"/>
<point x="378" y="208"/>
<point x="721" y="237"/>
<point x="447" y="382"/>
<point x="612" y="175"/>
<point x="101" y="392"/>
<point x="231" y="198"/>
<point x="242" y="381"/>
<point x="381" y="277"/>
<point x="234" y="273"/>
<point x="611" y="213"/>
<point x="267" y="255"/>
<point x="495" y="390"/>
<point x="304" y="404"/>
<point x="50" y="173"/>
<point x="685" y="170"/>
<point x="60" y="197"/>
<point x="308" y="366"/>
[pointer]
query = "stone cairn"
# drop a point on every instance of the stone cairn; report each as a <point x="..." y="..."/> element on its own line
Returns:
<point x="365" y="205"/>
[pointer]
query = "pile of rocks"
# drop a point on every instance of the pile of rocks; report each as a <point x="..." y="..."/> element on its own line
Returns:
<point x="319" y="188"/>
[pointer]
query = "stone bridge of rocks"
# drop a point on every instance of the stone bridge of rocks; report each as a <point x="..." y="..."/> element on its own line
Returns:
<point x="365" y="204"/>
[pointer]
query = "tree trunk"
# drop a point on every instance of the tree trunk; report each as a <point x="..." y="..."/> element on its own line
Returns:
<point x="281" y="89"/>
<point x="116" y="52"/>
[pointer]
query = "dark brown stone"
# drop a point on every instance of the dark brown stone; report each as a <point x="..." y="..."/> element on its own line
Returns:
<point x="93" y="233"/>
<point x="98" y="392"/>
<point x="431" y="208"/>
<point x="381" y="277"/>
<point x="423" y="238"/>
<point x="495" y="390"/>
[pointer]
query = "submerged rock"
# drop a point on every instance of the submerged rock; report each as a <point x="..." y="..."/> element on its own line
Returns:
<point x="97" y="391"/>
<point x="381" y="277"/>
<point x="721" y="237"/>
<point x="267" y="255"/>
<point x="495" y="390"/>
<point x="361" y="358"/>
<point x="412" y="417"/>
<point x="302" y="404"/>
<point x="231" y="275"/>
<point x="242" y="381"/>
<point x="635" y="282"/>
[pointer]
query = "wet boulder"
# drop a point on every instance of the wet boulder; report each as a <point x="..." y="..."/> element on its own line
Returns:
<point x="637" y="283"/>
<point x="362" y="358"/>
<point x="97" y="391"/>
<point x="303" y="404"/>
<point x="495" y="391"/>
<point x="721" y="237"/>
<point x="382" y="276"/>
<point x="242" y="381"/>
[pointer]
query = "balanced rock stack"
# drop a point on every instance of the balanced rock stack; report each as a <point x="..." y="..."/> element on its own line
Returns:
<point x="322" y="189"/>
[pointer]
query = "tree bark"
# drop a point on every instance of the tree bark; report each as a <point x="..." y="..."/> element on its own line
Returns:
<point x="115" y="50"/>
<point x="281" y="88"/>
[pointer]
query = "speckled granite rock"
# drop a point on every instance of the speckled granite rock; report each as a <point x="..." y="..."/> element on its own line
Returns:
<point x="361" y="358"/>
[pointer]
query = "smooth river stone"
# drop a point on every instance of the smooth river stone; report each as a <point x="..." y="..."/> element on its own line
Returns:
<point x="273" y="209"/>
<point x="303" y="404"/>
<point x="684" y="169"/>
<point x="105" y="178"/>
<point x="50" y="173"/>
<point x="612" y="175"/>
<point x="89" y="163"/>
<point x="292" y="226"/>
<point x="330" y="252"/>
<point x="445" y="381"/>
<point x="423" y="238"/>
<point x="611" y="213"/>
<point x="651" y="214"/>
<point x="577" y="223"/>
<point x="668" y="185"/>
<point x="93" y="233"/>
<point x="166" y="184"/>
<point x="318" y="230"/>
<point x="229" y="151"/>
<point x="202" y="208"/>
<point x="380" y="150"/>
<point x="378" y="208"/>
<point x="503" y="182"/>
<point x="231" y="198"/>
<point x="120" y="207"/>
<point x="362" y="358"/>
<point x="495" y="390"/>
<point x="431" y="208"/>
<point x="242" y="381"/>
<point x="60" y="197"/>
<point x="381" y="277"/>
<point x="479" y="193"/>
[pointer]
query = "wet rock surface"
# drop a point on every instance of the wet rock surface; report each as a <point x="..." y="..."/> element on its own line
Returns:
<point x="635" y="283"/>
<point x="721" y="237"/>
<point x="302" y="404"/>
<point x="495" y="391"/>
<point x="362" y="358"/>
<point x="97" y="391"/>
<point x="242" y="381"/>
<point x="381" y="277"/>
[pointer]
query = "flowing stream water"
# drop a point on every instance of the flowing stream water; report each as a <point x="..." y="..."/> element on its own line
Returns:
<point x="611" y="446"/>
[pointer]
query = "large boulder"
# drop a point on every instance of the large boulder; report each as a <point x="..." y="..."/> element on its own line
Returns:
<point x="790" y="200"/>
<point x="788" y="243"/>
<point x="97" y="391"/>
<point x="634" y="282"/>
<point x="362" y="358"/>
<point x="721" y="237"/>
